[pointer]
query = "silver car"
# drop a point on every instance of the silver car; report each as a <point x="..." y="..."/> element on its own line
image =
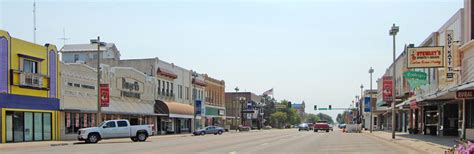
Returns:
<point x="303" y="126"/>
<point x="209" y="130"/>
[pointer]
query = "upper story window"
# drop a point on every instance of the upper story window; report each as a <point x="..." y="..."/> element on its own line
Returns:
<point x="30" y="66"/>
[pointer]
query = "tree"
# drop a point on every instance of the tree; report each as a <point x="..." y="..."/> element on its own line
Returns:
<point x="279" y="118"/>
<point x="339" y="118"/>
<point x="325" y="117"/>
<point x="312" y="118"/>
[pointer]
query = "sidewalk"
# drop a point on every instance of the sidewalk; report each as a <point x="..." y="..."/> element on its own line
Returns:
<point x="428" y="143"/>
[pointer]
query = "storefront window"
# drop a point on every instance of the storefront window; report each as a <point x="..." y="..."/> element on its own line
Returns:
<point x="38" y="122"/>
<point x="18" y="126"/>
<point x="76" y="121"/>
<point x="47" y="126"/>
<point x="28" y="126"/>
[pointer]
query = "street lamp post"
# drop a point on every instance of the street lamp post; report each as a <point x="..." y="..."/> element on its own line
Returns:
<point x="393" y="32"/>
<point x="361" y="102"/>
<point x="99" y="108"/>
<point x="371" y="70"/>
<point x="236" y="111"/>
<point x="356" y="109"/>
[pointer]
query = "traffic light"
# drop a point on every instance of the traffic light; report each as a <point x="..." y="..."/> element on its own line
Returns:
<point x="315" y="107"/>
<point x="330" y="107"/>
<point x="289" y="104"/>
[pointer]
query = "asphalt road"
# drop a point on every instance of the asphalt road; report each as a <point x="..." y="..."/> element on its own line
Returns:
<point x="267" y="141"/>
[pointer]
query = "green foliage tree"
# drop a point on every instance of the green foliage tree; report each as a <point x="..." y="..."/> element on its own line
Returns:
<point x="312" y="118"/>
<point x="279" y="118"/>
<point x="325" y="117"/>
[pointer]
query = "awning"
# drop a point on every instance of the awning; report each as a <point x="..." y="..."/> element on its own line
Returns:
<point x="166" y="73"/>
<point x="174" y="109"/>
<point x="199" y="82"/>
<point x="465" y="86"/>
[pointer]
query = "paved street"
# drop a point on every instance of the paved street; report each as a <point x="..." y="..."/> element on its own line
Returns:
<point x="268" y="141"/>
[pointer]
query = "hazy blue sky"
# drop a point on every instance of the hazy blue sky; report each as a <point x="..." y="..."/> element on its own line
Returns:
<point x="318" y="51"/>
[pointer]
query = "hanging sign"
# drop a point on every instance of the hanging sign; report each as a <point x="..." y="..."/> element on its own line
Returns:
<point x="104" y="95"/>
<point x="425" y="57"/>
<point x="387" y="88"/>
<point x="449" y="56"/>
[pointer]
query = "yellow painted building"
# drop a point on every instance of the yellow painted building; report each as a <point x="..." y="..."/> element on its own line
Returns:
<point x="29" y="90"/>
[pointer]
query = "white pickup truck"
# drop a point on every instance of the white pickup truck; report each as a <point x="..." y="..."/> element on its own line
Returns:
<point x="115" y="129"/>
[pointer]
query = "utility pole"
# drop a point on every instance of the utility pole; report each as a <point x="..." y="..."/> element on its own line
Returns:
<point x="361" y="101"/>
<point x="99" y="107"/>
<point x="371" y="70"/>
<point x="34" y="21"/>
<point x="393" y="32"/>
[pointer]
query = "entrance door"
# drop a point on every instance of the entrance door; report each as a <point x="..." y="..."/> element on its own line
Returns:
<point x="450" y="120"/>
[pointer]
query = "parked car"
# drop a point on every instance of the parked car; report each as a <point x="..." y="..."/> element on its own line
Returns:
<point x="303" y="126"/>
<point x="267" y="127"/>
<point x="244" y="128"/>
<point x="115" y="129"/>
<point x="341" y="126"/>
<point x="209" y="130"/>
<point x="321" y="125"/>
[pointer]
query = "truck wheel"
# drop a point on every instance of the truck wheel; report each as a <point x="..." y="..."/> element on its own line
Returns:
<point x="327" y="131"/>
<point x="93" y="138"/>
<point x="134" y="139"/>
<point x="141" y="137"/>
<point x="315" y="130"/>
<point x="219" y="132"/>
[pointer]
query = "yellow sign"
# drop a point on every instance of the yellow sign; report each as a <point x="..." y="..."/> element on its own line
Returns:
<point x="425" y="57"/>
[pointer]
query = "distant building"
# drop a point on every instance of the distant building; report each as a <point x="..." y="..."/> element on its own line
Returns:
<point x="72" y="53"/>
<point x="299" y="108"/>
<point x="236" y="102"/>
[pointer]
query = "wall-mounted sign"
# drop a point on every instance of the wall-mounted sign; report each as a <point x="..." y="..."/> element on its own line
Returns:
<point x="425" y="57"/>
<point x="221" y="112"/>
<point x="387" y="88"/>
<point x="449" y="56"/>
<point x="130" y="87"/>
<point x="465" y="94"/>
<point x="415" y="75"/>
<point x="104" y="95"/>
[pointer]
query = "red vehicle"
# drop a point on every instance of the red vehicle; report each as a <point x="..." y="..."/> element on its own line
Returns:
<point x="321" y="125"/>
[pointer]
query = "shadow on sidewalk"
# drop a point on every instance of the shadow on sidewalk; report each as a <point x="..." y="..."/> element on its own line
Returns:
<point x="448" y="141"/>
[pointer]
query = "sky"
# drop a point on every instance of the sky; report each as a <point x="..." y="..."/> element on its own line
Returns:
<point x="316" y="51"/>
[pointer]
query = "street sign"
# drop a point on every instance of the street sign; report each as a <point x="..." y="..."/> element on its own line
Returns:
<point x="464" y="94"/>
<point x="323" y="109"/>
<point x="280" y="106"/>
<point x="248" y="111"/>
<point x="198" y="107"/>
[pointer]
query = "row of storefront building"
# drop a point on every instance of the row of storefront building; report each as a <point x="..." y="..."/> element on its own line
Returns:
<point x="430" y="106"/>
<point x="45" y="98"/>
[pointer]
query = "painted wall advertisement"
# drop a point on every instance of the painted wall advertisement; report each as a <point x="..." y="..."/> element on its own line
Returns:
<point x="425" y="57"/>
<point x="387" y="89"/>
<point x="449" y="56"/>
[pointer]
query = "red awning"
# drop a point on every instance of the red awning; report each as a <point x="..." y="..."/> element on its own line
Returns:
<point x="199" y="82"/>
<point x="166" y="73"/>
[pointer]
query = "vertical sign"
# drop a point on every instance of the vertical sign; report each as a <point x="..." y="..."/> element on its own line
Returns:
<point x="68" y="120"/>
<point x="77" y="119"/>
<point x="4" y="65"/>
<point x="85" y="120"/>
<point x="367" y="104"/>
<point x="249" y="105"/>
<point x="449" y="56"/>
<point x="104" y="95"/>
<point x="198" y="104"/>
<point x="387" y="89"/>
<point x="92" y="119"/>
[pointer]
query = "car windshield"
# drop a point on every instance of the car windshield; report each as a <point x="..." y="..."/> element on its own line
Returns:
<point x="237" y="76"/>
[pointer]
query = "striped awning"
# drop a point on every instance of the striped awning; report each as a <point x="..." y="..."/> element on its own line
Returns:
<point x="174" y="109"/>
